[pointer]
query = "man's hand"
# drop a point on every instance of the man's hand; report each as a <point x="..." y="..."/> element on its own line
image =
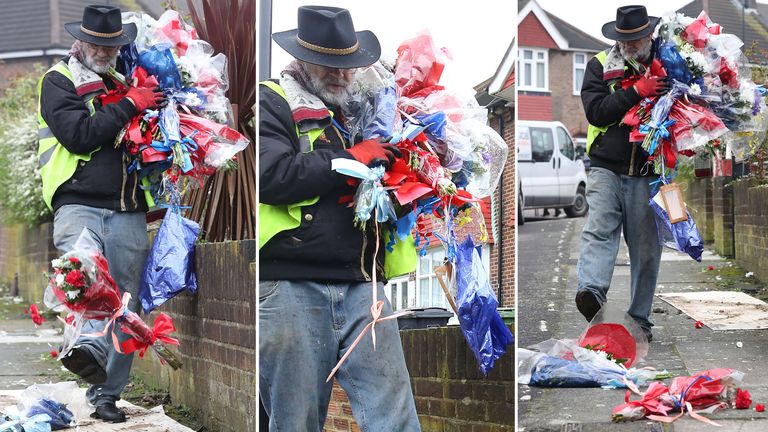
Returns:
<point x="374" y="152"/>
<point x="146" y="98"/>
<point x="654" y="86"/>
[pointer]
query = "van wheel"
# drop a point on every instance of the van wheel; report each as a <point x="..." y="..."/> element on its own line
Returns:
<point x="579" y="207"/>
<point x="520" y="216"/>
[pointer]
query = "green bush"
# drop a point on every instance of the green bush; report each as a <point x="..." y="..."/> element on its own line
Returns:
<point x="21" y="199"/>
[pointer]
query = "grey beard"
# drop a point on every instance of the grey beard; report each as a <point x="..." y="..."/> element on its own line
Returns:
<point x="640" y="56"/>
<point x="99" y="69"/>
<point x="329" y="98"/>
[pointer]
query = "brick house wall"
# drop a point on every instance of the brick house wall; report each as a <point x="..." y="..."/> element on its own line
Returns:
<point x="566" y="107"/>
<point x="532" y="33"/>
<point x="506" y="221"/>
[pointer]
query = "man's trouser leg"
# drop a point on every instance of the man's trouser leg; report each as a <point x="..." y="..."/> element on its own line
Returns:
<point x="644" y="248"/>
<point x="376" y="381"/>
<point x="601" y="234"/>
<point x="297" y="350"/>
<point x="304" y="328"/>
<point x="123" y="239"/>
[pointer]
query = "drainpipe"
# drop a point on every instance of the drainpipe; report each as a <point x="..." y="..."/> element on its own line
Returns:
<point x="500" y="222"/>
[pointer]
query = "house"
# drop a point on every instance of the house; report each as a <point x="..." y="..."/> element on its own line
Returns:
<point x="32" y="31"/>
<point x="497" y="95"/>
<point x="552" y="59"/>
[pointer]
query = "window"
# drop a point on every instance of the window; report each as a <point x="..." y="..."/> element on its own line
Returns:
<point x="542" y="144"/>
<point x="399" y="292"/>
<point x="533" y="67"/>
<point x="565" y="144"/>
<point x="428" y="290"/>
<point x="579" y="67"/>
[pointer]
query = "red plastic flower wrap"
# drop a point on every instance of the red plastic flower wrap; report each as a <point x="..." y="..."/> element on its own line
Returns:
<point x="419" y="65"/>
<point x="82" y="286"/>
<point x="698" y="32"/>
<point x="617" y="334"/>
<point x="759" y="407"/>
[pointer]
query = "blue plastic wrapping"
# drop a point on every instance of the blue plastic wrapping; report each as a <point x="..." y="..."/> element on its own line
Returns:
<point x="170" y="267"/>
<point x="158" y="61"/>
<point x="674" y="63"/>
<point x="549" y="371"/>
<point x="60" y="416"/>
<point x="682" y="236"/>
<point x="485" y="331"/>
<point x="382" y="121"/>
<point x="127" y="59"/>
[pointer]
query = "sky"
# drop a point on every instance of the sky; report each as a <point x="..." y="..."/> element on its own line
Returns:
<point x="477" y="36"/>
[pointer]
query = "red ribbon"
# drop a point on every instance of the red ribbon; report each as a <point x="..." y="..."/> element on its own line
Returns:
<point x="162" y="327"/>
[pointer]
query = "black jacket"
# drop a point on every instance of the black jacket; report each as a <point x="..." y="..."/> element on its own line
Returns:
<point x="326" y="246"/>
<point x="611" y="150"/>
<point x="102" y="182"/>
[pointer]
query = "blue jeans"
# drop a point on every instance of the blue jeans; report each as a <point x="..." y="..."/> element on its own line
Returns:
<point x="616" y="203"/>
<point x="123" y="240"/>
<point x="304" y="328"/>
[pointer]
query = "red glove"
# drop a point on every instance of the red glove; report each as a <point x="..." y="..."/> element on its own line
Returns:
<point x="145" y="98"/>
<point x="373" y="152"/>
<point x="655" y="86"/>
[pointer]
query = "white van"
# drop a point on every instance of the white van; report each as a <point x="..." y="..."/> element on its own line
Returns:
<point x="550" y="175"/>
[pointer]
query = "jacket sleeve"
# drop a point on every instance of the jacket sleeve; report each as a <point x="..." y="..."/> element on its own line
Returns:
<point x="287" y="175"/>
<point x="600" y="105"/>
<point x="70" y="122"/>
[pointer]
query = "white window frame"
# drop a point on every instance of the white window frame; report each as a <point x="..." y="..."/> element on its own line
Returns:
<point x="533" y="62"/>
<point x="578" y="66"/>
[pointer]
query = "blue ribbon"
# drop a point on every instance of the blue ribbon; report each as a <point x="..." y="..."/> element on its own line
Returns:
<point x="370" y="195"/>
<point x="661" y="132"/>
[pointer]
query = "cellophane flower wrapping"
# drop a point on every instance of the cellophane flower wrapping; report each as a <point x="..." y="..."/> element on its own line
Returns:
<point x="480" y="322"/>
<point x="371" y="110"/>
<point x="562" y="363"/>
<point x="682" y="236"/>
<point x="60" y="401"/>
<point x="195" y="81"/>
<point x="617" y="334"/>
<point x="170" y="267"/>
<point x="82" y="286"/>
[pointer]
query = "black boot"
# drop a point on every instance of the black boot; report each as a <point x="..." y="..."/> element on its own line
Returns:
<point x="81" y="362"/>
<point x="109" y="412"/>
<point x="587" y="304"/>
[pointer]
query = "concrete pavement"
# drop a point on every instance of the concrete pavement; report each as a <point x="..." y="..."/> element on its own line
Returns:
<point x="548" y="253"/>
<point x="25" y="360"/>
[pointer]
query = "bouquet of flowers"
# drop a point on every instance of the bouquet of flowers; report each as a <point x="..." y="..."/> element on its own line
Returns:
<point x="82" y="286"/>
<point x="450" y="160"/>
<point x="191" y="137"/>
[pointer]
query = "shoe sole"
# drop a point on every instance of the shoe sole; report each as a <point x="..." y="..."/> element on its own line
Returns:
<point x="587" y="305"/>
<point x="82" y="364"/>
<point x="98" y="417"/>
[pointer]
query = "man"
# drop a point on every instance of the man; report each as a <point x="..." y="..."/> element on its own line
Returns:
<point x="315" y="264"/>
<point x="618" y="186"/>
<point x="87" y="185"/>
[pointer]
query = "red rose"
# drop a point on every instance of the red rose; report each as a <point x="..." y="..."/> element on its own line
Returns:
<point x="699" y="324"/>
<point x="35" y="314"/>
<point x="75" y="278"/>
<point x="74" y="260"/>
<point x="688" y="152"/>
<point x="54" y="353"/>
<point x="743" y="399"/>
<point x="710" y="268"/>
<point x="759" y="407"/>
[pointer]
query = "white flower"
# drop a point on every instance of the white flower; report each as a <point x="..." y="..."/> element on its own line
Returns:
<point x="71" y="295"/>
<point x="749" y="274"/>
<point x="59" y="279"/>
<point x="698" y="59"/>
<point x="694" y="89"/>
<point x="56" y="263"/>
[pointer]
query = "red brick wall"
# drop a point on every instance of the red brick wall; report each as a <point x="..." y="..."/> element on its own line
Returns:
<point x="535" y="106"/>
<point x="217" y="331"/>
<point x="566" y="107"/>
<point x="533" y="34"/>
<point x="449" y="390"/>
<point x="506" y="222"/>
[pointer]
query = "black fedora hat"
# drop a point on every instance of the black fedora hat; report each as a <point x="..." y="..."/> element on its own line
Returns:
<point x="326" y="37"/>
<point x="632" y="23"/>
<point x="102" y="25"/>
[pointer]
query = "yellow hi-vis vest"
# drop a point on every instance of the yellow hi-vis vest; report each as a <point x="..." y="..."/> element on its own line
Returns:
<point x="56" y="163"/>
<point x="274" y="219"/>
<point x="595" y="131"/>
